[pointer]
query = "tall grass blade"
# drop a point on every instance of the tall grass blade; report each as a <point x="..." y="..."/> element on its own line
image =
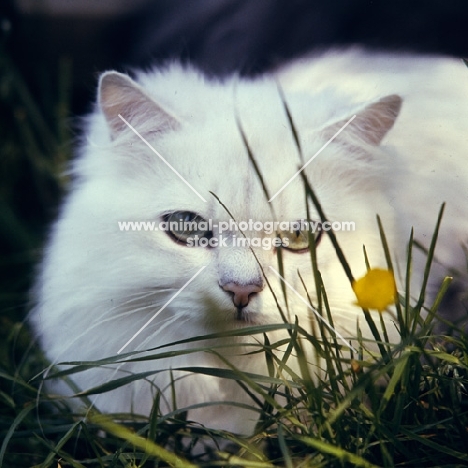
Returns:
<point x="292" y="126"/>
<point x="427" y="268"/>
<point x="253" y="161"/>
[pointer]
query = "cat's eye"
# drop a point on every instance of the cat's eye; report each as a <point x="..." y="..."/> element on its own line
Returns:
<point x="185" y="225"/>
<point x="298" y="240"/>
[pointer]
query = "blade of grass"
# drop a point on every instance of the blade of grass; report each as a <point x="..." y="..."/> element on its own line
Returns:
<point x="253" y="161"/>
<point x="279" y="258"/>
<point x="337" y="452"/>
<point x="388" y="259"/>
<point x="428" y="322"/>
<point x="17" y="421"/>
<point x="58" y="446"/>
<point x="404" y="327"/>
<point x="341" y="257"/>
<point x="287" y="460"/>
<point x="400" y="367"/>
<point x="292" y="126"/>
<point x="139" y="442"/>
<point x="427" y="268"/>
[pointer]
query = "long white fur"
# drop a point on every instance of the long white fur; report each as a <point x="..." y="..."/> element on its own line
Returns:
<point x="99" y="285"/>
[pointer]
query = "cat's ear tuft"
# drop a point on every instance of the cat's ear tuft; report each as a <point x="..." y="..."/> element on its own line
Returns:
<point x="119" y="96"/>
<point x="372" y="123"/>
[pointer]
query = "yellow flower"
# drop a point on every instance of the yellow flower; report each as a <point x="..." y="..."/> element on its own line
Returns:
<point x="375" y="290"/>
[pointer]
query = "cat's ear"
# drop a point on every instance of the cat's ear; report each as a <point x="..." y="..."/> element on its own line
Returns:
<point x="371" y="124"/>
<point x="119" y="95"/>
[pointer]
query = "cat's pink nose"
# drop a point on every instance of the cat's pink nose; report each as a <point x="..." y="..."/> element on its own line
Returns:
<point x="241" y="293"/>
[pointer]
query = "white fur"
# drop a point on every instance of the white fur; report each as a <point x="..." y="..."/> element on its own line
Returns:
<point x="98" y="285"/>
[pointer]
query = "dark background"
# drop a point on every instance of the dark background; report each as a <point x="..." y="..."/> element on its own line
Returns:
<point x="50" y="58"/>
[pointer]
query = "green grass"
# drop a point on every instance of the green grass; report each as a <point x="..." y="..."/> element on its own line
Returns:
<point x="406" y="405"/>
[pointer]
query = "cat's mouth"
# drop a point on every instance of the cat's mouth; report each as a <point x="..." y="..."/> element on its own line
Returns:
<point x="240" y="315"/>
<point x="244" y="316"/>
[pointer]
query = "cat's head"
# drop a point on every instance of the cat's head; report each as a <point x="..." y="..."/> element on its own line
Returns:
<point x="169" y="148"/>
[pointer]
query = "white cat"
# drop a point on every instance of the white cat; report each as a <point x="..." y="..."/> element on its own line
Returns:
<point x="100" y="285"/>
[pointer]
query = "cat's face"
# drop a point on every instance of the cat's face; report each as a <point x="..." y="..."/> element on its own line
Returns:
<point x="235" y="284"/>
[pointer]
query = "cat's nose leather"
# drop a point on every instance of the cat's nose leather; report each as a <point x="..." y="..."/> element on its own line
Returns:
<point x="241" y="293"/>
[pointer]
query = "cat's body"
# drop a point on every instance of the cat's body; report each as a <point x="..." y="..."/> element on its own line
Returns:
<point x="100" y="285"/>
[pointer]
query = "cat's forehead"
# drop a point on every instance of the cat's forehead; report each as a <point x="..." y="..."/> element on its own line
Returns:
<point x="243" y="173"/>
<point x="233" y="189"/>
